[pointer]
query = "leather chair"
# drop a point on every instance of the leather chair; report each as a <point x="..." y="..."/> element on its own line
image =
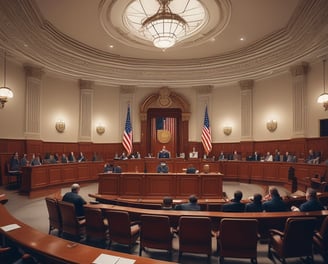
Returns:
<point x="96" y="226"/>
<point x="294" y="241"/>
<point x="72" y="226"/>
<point x="320" y="240"/>
<point x="121" y="229"/>
<point x="55" y="222"/>
<point x="237" y="238"/>
<point x="195" y="236"/>
<point x="156" y="232"/>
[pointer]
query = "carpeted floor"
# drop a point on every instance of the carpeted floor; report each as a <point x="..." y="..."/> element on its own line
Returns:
<point x="34" y="213"/>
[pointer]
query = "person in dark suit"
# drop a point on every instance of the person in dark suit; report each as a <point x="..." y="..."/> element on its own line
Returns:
<point x="162" y="168"/>
<point x="255" y="205"/>
<point x="117" y="169"/>
<point x="14" y="164"/>
<point x="167" y="203"/>
<point x="256" y="156"/>
<point x="312" y="202"/>
<point x="164" y="153"/>
<point x="64" y="158"/>
<point x="108" y="167"/>
<point x="191" y="169"/>
<point x="235" y="205"/>
<point x="76" y="199"/>
<point x="192" y="205"/>
<point x="71" y="157"/>
<point x="275" y="202"/>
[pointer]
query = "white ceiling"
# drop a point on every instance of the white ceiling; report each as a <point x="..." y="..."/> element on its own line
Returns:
<point x="68" y="37"/>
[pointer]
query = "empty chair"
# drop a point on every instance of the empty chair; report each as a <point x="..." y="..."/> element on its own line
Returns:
<point x="96" y="226"/>
<point x="294" y="241"/>
<point x="72" y="226"/>
<point x="320" y="240"/>
<point x="237" y="238"/>
<point x="121" y="229"/>
<point x="55" y="221"/>
<point x="155" y="232"/>
<point x="195" y="236"/>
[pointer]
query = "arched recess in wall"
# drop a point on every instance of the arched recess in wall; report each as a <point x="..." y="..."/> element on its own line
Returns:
<point x="164" y="121"/>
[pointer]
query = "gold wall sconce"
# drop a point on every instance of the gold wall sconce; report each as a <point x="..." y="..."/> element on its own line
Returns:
<point x="60" y="126"/>
<point x="227" y="130"/>
<point x="272" y="125"/>
<point x="100" y="129"/>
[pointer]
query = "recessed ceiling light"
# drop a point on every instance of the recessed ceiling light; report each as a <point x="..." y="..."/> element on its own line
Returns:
<point x="212" y="39"/>
<point x="242" y="39"/>
<point x="111" y="46"/>
<point x="25" y="45"/>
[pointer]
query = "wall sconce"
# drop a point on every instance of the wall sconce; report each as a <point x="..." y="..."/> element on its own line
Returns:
<point x="323" y="98"/>
<point x="272" y="125"/>
<point x="100" y="129"/>
<point x="60" y="126"/>
<point x="227" y="130"/>
<point x="5" y="92"/>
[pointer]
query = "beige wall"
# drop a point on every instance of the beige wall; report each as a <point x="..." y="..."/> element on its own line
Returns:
<point x="60" y="99"/>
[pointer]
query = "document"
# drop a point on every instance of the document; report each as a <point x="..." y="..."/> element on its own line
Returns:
<point x="10" y="227"/>
<point x="109" y="259"/>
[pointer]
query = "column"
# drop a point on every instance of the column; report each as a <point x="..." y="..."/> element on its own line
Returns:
<point x="246" y="94"/>
<point x="32" y="102"/>
<point x="86" y="109"/>
<point x="299" y="85"/>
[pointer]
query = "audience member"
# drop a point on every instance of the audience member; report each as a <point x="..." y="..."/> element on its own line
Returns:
<point x="162" y="168"/>
<point x="167" y="203"/>
<point x="193" y="154"/>
<point x="164" y="153"/>
<point x="35" y="161"/>
<point x="255" y="205"/>
<point x="275" y="202"/>
<point x="64" y="158"/>
<point x="276" y="156"/>
<point x="71" y="157"/>
<point x="81" y="157"/>
<point x="191" y="169"/>
<point x="312" y="202"/>
<point x="108" y="167"/>
<point x="268" y="157"/>
<point x="14" y="164"/>
<point x="74" y="198"/>
<point x="235" y="205"/>
<point x="24" y="161"/>
<point x="192" y="205"/>
<point x="256" y="156"/>
<point x="288" y="157"/>
<point x="221" y="156"/>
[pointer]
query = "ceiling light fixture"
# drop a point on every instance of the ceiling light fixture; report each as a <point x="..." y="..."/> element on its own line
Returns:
<point x="164" y="27"/>
<point x="323" y="98"/>
<point x="5" y="92"/>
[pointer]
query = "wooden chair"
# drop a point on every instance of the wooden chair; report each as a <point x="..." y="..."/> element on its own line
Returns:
<point x="121" y="229"/>
<point x="320" y="240"/>
<point x="55" y="221"/>
<point x="96" y="226"/>
<point x="195" y="236"/>
<point x="17" y="175"/>
<point x="294" y="241"/>
<point x="237" y="238"/>
<point x="156" y="232"/>
<point x="72" y="226"/>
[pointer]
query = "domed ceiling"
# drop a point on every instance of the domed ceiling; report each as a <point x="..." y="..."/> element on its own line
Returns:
<point x="96" y="40"/>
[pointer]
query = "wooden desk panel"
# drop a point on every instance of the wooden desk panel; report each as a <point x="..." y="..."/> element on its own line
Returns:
<point x="131" y="185"/>
<point x="159" y="185"/>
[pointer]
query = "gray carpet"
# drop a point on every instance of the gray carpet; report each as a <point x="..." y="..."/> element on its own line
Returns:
<point x="34" y="213"/>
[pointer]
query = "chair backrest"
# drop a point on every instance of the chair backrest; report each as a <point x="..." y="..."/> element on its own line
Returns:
<point x="298" y="229"/>
<point x="324" y="232"/>
<point x="156" y="232"/>
<point x="95" y="226"/>
<point x="70" y="223"/>
<point x="241" y="234"/>
<point x="55" y="221"/>
<point x="195" y="234"/>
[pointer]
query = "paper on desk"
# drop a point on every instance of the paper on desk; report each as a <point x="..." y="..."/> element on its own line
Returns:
<point x="109" y="259"/>
<point x="10" y="227"/>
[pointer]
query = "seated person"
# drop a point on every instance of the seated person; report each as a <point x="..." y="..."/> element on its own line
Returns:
<point x="108" y="167"/>
<point x="193" y="154"/>
<point x="312" y="202"/>
<point x="52" y="159"/>
<point x="81" y="157"/>
<point x="236" y="156"/>
<point x="14" y="164"/>
<point x="123" y="156"/>
<point x="276" y="156"/>
<point x="64" y="158"/>
<point x="191" y="169"/>
<point x="268" y="157"/>
<point x="35" y="161"/>
<point x="192" y="205"/>
<point x="24" y="161"/>
<point x="255" y="205"/>
<point x="162" y="168"/>
<point x="71" y="157"/>
<point x="275" y="202"/>
<point x="287" y="157"/>
<point x="235" y="205"/>
<point x="164" y="153"/>
<point x="117" y="169"/>
<point x="256" y="156"/>
<point x="221" y="156"/>
<point x="167" y="203"/>
<point x="74" y="198"/>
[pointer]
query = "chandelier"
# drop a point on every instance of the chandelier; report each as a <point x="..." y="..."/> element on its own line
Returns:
<point x="165" y="26"/>
<point x="5" y="92"/>
<point x="323" y="98"/>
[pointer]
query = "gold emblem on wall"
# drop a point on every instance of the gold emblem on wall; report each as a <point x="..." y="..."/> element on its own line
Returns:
<point x="164" y="136"/>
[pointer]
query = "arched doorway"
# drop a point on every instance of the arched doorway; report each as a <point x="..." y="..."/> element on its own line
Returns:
<point x="164" y="121"/>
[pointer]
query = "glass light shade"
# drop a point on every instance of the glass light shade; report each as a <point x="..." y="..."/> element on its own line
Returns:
<point x="323" y="98"/>
<point x="6" y="92"/>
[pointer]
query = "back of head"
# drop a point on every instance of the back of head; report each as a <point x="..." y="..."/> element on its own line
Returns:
<point x="238" y="195"/>
<point x="274" y="192"/>
<point x="75" y="187"/>
<point x="311" y="193"/>
<point x="257" y="198"/>
<point x="167" y="201"/>
<point x="193" y="199"/>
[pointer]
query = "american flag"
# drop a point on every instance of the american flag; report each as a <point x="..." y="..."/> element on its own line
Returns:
<point x="127" y="135"/>
<point x="206" y="134"/>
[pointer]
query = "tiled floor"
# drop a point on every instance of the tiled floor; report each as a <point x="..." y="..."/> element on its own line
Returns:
<point x="34" y="213"/>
